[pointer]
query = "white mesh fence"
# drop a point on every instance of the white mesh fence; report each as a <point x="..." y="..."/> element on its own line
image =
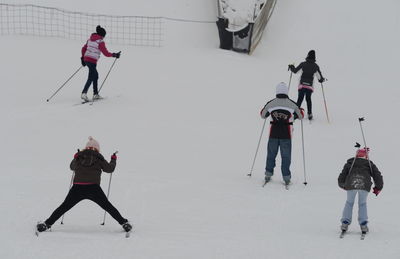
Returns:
<point x="42" y="21"/>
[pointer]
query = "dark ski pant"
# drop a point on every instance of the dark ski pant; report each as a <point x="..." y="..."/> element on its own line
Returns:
<point x="307" y="93"/>
<point x="78" y="193"/>
<point x="285" y="146"/>
<point x="92" y="78"/>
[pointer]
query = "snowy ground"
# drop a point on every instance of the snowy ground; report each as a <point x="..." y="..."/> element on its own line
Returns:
<point x="185" y="120"/>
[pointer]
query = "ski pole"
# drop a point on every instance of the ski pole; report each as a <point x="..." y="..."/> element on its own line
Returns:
<point x="258" y="146"/>
<point x="362" y="131"/>
<point x="70" y="185"/>
<point x="64" y="84"/>
<point x="290" y="78"/>
<point x="108" y="193"/>
<point x="365" y="142"/>
<point x="304" y="157"/>
<point x="355" y="156"/>
<point x="326" y="108"/>
<point x="101" y="86"/>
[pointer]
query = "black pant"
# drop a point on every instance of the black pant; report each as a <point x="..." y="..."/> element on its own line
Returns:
<point x="92" y="78"/>
<point x="307" y="93"/>
<point x="92" y="192"/>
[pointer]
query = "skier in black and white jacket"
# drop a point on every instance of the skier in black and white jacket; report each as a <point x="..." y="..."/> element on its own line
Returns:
<point x="283" y="112"/>
<point x="309" y="69"/>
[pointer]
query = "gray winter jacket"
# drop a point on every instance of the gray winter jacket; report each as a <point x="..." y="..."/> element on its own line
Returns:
<point x="358" y="176"/>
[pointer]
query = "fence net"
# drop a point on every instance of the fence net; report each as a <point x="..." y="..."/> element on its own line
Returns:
<point x="42" y="21"/>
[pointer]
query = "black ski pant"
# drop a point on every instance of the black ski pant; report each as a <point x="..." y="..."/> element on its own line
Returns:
<point x="78" y="193"/>
<point x="307" y="93"/>
<point x="92" y="78"/>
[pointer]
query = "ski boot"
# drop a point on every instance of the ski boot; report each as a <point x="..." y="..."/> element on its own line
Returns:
<point x="97" y="97"/>
<point x="364" y="227"/>
<point x="267" y="178"/>
<point x="287" y="183"/>
<point x="127" y="226"/>
<point x="42" y="226"/>
<point x="310" y="116"/>
<point x="84" y="97"/>
<point x="345" y="226"/>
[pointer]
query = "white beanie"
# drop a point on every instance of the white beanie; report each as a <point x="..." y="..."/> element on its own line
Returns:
<point x="92" y="143"/>
<point x="282" y="88"/>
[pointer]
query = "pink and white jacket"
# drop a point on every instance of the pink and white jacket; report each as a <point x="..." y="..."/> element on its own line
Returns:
<point x="91" y="50"/>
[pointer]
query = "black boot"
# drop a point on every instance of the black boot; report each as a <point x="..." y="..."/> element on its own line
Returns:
<point x="127" y="226"/>
<point x="42" y="227"/>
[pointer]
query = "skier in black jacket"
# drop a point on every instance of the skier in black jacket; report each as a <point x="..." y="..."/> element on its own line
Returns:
<point x="309" y="68"/>
<point x="355" y="178"/>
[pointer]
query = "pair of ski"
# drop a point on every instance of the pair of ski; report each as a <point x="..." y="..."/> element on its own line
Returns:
<point x="286" y="185"/>
<point x="127" y="234"/>
<point x="90" y="101"/>
<point x="362" y="237"/>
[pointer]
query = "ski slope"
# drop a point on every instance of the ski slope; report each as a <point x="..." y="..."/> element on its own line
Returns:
<point x="185" y="120"/>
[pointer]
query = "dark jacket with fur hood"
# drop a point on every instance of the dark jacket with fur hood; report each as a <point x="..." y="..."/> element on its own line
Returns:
<point x="358" y="176"/>
<point x="88" y="166"/>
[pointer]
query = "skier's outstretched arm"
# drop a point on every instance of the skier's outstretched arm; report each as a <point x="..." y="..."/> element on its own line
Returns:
<point x="296" y="69"/>
<point x="109" y="167"/>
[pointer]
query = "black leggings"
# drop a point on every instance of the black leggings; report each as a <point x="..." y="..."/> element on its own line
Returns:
<point x="77" y="193"/>
<point x="307" y="93"/>
<point x="92" y="77"/>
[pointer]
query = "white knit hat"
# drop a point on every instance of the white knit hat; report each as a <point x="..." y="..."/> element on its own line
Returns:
<point x="282" y="88"/>
<point x="92" y="143"/>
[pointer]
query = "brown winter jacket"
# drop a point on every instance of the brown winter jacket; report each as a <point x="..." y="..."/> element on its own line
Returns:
<point x="88" y="166"/>
<point x="357" y="176"/>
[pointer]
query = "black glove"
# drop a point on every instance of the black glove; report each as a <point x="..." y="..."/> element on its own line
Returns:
<point x="321" y="80"/>
<point x="83" y="62"/>
<point x="291" y="67"/>
<point x="116" y="55"/>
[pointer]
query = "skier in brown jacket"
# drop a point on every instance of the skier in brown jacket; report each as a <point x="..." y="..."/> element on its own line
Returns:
<point x="87" y="165"/>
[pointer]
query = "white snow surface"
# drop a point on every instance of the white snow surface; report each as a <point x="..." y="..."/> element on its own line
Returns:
<point x="185" y="120"/>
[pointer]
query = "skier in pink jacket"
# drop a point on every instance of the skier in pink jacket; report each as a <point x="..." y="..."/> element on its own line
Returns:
<point x="90" y="54"/>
